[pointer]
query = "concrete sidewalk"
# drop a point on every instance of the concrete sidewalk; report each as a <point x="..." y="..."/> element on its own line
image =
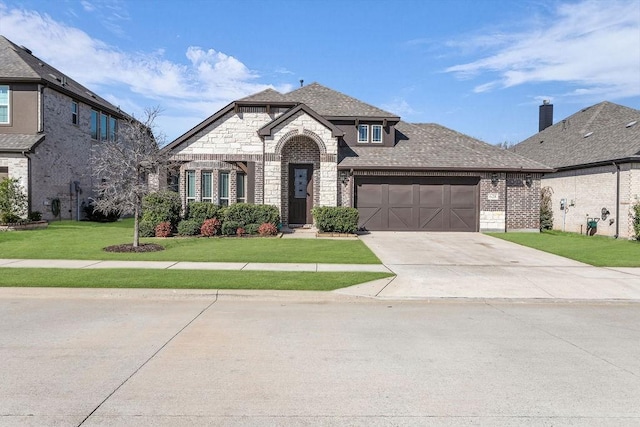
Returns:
<point x="173" y="265"/>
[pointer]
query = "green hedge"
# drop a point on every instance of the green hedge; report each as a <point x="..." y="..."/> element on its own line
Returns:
<point x="200" y="211"/>
<point x="161" y="206"/>
<point x="336" y="219"/>
<point x="245" y="214"/>
<point x="189" y="227"/>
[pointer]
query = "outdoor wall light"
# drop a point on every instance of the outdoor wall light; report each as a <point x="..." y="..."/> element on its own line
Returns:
<point x="494" y="179"/>
<point x="528" y="179"/>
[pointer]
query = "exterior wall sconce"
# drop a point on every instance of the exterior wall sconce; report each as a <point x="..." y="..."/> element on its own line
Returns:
<point x="528" y="179"/>
<point x="494" y="179"/>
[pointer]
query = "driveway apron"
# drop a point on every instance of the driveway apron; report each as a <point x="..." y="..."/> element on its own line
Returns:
<point x="474" y="265"/>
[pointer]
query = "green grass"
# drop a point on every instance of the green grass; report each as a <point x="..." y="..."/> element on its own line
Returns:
<point x="594" y="250"/>
<point x="86" y="240"/>
<point x="183" y="279"/>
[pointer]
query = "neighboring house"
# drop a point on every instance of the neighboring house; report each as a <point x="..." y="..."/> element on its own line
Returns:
<point x="318" y="147"/>
<point x="596" y="154"/>
<point x="48" y="124"/>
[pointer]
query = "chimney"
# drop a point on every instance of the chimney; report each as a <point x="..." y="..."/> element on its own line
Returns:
<point x="546" y="115"/>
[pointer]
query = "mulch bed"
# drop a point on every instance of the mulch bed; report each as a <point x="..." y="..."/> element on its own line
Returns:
<point x="128" y="247"/>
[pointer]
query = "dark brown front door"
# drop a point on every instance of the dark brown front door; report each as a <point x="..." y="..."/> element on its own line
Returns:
<point x="300" y="193"/>
<point x="418" y="203"/>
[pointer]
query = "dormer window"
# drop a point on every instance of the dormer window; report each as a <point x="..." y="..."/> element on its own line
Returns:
<point x="363" y="133"/>
<point x="376" y="134"/>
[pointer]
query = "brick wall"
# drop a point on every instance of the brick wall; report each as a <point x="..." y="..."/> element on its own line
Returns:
<point x="303" y="150"/>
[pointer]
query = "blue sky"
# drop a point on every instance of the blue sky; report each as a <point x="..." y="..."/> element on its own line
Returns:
<point x="480" y="67"/>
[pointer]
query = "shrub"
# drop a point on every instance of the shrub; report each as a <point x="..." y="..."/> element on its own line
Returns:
<point x="98" y="216"/>
<point x="210" y="227"/>
<point x="200" y="211"/>
<point x="189" y="227"/>
<point x="240" y="231"/>
<point x="147" y="229"/>
<point x="229" y="228"/>
<point x="245" y="214"/>
<point x="546" y="210"/>
<point x="636" y="220"/>
<point x="163" y="229"/>
<point x="251" y="228"/>
<point x="35" y="216"/>
<point x="13" y="200"/>
<point x="336" y="219"/>
<point x="161" y="206"/>
<point x="267" y="229"/>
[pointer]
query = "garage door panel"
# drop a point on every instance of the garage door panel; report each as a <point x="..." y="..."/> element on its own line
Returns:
<point x="401" y="219"/>
<point x="418" y="203"/>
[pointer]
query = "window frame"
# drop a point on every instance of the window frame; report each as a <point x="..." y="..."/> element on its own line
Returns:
<point x="75" y="110"/>
<point x="8" y="105"/>
<point x="112" y="132"/>
<point x="190" y="186"/>
<point x="104" y="126"/>
<point x="206" y="183"/>
<point x="94" y="124"/>
<point x="373" y="129"/>
<point x="241" y="177"/>
<point x="366" y="139"/>
<point x="4" y="173"/>
<point x="222" y="199"/>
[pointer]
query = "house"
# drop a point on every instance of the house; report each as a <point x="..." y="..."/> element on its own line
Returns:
<point x="48" y="125"/>
<point x="596" y="154"/>
<point x="315" y="146"/>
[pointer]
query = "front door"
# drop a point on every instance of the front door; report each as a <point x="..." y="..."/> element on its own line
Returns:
<point x="300" y="193"/>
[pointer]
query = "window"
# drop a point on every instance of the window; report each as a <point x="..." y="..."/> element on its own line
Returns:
<point x="4" y="172"/>
<point x="104" y="126"/>
<point x="223" y="189"/>
<point x="94" y="124"/>
<point x="241" y="187"/>
<point x="74" y="112"/>
<point x="173" y="181"/>
<point x="207" y="189"/>
<point x="363" y="133"/>
<point x="376" y="133"/>
<point x="4" y="104"/>
<point x="191" y="186"/>
<point x="113" y="128"/>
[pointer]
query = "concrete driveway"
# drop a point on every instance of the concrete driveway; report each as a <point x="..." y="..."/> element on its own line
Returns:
<point x="474" y="265"/>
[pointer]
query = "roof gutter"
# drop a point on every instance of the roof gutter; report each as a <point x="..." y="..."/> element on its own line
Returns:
<point x="445" y="169"/>
<point x="617" y="165"/>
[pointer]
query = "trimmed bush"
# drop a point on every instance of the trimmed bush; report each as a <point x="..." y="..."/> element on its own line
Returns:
<point x="245" y="214"/>
<point x="229" y="228"/>
<point x="189" y="227"/>
<point x="251" y="228"/>
<point x="267" y="229"/>
<point x="200" y="211"/>
<point x="35" y="216"/>
<point x="240" y="232"/>
<point x="160" y="207"/>
<point x="546" y="209"/>
<point x="210" y="227"/>
<point x="336" y="219"/>
<point x="147" y="229"/>
<point x="98" y="216"/>
<point x="163" y="229"/>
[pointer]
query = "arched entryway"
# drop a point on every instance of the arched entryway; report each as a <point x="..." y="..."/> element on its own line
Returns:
<point x="300" y="184"/>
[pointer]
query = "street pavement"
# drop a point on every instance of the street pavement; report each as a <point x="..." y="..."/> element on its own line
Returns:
<point x="116" y="357"/>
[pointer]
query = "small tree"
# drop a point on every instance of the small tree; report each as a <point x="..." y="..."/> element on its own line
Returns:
<point x="546" y="210"/>
<point x="122" y="165"/>
<point x="636" y="220"/>
<point x="13" y="200"/>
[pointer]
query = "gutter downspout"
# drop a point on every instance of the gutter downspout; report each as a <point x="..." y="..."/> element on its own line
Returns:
<point x="29" y="207"/>
<point x="617" y="200"/>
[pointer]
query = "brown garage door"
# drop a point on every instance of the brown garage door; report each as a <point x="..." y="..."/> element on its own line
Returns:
<point x="418" y="203"/>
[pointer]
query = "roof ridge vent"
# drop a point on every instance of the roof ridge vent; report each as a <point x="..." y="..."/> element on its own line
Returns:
<point x="588" y="134"/>
<point x="628" y="125"/>
<point x="26" y="50"/>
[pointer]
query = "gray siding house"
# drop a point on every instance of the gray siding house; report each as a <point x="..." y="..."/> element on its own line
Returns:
<point x="596" y="156"/>
<point x="315" y="146"/>
<point x="48" y="124"/>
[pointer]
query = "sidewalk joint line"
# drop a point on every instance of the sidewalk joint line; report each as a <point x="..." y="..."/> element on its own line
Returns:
<point x="150" y="358"/>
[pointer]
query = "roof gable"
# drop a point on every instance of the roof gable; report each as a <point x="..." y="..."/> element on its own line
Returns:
<point x="266" y="130"/>
<point x="604" y="132"/>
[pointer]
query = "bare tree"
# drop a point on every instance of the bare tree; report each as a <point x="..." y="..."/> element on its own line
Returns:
<point x="122" y="165"/>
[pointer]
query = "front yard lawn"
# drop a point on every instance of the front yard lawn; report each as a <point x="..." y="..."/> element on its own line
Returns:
<point x="182" y="279"/>
<point x="595" y="250"/>
<point x="85" y="240"/>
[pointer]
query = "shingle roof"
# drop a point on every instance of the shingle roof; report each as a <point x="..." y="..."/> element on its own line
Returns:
<point x="596" y="134"/>
<point x="267" y="95"/>
<point x="12" y="142"/>
<point x="17" y="64"/>
<point x="431" y="146"/>
<point x="330" y="103"/>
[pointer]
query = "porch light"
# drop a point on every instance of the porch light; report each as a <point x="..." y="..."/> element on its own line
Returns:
<point x="528" y="179"/>
<point x="494" y="179"/>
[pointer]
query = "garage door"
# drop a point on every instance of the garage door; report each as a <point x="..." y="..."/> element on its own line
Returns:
<point x="418" y="203"/>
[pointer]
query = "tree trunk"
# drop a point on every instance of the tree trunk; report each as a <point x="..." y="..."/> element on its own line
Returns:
<point x="136" y="227"/>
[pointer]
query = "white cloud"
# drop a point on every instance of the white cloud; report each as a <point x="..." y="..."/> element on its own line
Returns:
<point x="205" y="82"/>
<point x="593" y="47"/>
<point x="400" y="107"/>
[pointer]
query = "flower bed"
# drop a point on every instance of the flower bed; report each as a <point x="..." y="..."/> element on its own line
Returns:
<point x="17" y="226"/>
